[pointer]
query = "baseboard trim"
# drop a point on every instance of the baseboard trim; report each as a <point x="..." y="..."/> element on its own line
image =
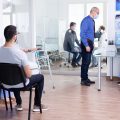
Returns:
<point x="113" y="78"/>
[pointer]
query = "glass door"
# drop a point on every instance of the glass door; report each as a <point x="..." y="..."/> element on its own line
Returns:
<point x="23" y="17"/>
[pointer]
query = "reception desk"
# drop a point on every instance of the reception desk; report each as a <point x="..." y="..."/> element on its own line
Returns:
<point x="110" y="56"/>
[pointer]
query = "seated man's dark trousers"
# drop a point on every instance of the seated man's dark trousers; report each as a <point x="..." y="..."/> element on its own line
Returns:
<point x="76" y="57"/>
<point x="38" y="81"/>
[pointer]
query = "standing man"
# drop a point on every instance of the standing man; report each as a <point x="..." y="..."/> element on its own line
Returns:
<point x="87" y="35"/>
<point x="70" y="42"/>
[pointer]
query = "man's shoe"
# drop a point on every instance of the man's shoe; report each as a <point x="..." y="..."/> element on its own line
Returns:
<point x="19" y="107"/>
<point x="85" y="83"/>
<point x="118" y="83"/>
<point x="78" y="65"/>
<point x="91" y="82"/>
<point x="74" y="65"/>
<point x="37" y="108"/>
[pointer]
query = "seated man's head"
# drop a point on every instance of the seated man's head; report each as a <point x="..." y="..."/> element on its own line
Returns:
<point x="10" y="33"/>
<point x="73" y="26"/>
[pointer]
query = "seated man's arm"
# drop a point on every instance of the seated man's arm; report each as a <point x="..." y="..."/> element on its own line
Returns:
<point x="28" y="71"/>
<point x="77" y="42"/>
<point x="25" y="64"/>
<point x="31" y="49"/>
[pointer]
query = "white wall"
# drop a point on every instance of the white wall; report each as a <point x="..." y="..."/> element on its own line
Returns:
<point x="111" y="19"/>
<point x="1" y="27"/>
<point x="111" y="36"/>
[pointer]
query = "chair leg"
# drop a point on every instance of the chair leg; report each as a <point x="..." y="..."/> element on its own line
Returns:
<point x="69" y="57"/>
<point x="40" y="108"/>
<point x="30" y="99"/>
<point x="5" y="100"/>
<point x="10" y="100"/>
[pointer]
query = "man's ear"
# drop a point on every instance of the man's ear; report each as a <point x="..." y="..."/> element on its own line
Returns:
<point x="14" y="38"/>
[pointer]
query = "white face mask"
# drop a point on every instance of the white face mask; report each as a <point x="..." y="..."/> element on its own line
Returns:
<point x="73" y="28"/>
<point x="102" y="31"/>
<point x="95" y="17"/>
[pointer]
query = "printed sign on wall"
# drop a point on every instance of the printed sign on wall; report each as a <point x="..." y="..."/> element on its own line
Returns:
<point x="117" y="29"/>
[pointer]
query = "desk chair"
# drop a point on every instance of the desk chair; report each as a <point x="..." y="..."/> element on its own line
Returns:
<point x="67" y="60"/>
<point x="13" y="74"/>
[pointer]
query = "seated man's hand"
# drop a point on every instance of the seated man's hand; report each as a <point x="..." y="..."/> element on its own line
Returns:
<point x="25" y="50"/>
<point x="29" y="50"/>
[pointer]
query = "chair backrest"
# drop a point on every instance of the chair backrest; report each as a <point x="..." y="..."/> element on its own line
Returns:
<point x="11" y="74"/>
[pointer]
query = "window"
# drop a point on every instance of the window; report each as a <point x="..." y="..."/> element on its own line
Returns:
<point x="6" y="20"/>
<point x="76" y="14"/>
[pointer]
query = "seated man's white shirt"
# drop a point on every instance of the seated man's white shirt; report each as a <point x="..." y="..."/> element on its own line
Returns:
<point x="34" y="67"/>
<point x="15" y="56"/>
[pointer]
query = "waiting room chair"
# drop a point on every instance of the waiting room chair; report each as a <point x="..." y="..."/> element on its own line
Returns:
<point x="13" y="74"/>
<point x="67" y="60"/>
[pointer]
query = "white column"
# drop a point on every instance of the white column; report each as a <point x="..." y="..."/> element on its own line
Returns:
<point x="111" y="31"/>
<point x="32" y="22"/>
<point x="32" y="26"/>
<point x="1" y="26"/>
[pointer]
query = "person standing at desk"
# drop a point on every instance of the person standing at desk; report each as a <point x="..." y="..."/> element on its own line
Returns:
<point x="87" y="35"/>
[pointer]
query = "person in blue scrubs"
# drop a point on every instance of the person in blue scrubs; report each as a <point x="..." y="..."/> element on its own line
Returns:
<point x="87" y="34"/>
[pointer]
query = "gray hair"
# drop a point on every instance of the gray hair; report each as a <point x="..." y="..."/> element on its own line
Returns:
<point x="94" y="9"/>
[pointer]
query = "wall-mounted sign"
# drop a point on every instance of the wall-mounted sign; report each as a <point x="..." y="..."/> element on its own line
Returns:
<point x="117" y="30"/>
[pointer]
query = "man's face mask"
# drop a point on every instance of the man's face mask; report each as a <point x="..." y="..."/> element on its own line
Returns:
<point x="102" y="31"/>
<point x="74" y="28"/>
<point x="97" y="15"/>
